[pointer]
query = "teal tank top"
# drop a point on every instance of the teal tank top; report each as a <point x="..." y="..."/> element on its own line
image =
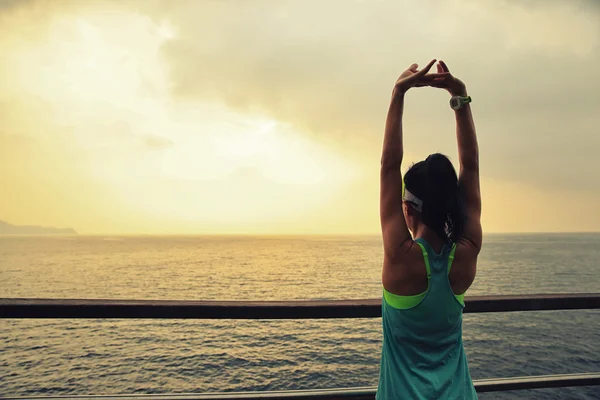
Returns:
<point x="423" y="357"/>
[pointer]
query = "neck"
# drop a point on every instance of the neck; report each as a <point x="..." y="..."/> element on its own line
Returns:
<point x="434" y="240"/>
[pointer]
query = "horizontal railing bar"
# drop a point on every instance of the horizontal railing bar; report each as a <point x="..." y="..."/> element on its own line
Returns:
<point x="306" y="309"/>
<point x="537" y="382"/>
<point x="361" y="393"/>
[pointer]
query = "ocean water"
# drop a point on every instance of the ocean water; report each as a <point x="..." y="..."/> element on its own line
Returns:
<point x="43" y="357"/>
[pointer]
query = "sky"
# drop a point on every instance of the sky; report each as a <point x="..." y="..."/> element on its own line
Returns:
<point x="267" y="116"/>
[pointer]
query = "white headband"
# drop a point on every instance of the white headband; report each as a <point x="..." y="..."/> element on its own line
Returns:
<point x="414" y="201"/>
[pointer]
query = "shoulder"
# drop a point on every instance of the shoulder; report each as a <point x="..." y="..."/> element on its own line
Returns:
<point x="406" y="265"/>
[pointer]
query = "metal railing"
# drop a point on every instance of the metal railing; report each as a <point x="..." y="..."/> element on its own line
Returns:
<point x="307" y="309"/>
<point x="25" y="308"/>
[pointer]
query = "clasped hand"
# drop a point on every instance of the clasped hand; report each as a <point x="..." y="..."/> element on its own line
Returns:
<point x="443" y="79"/>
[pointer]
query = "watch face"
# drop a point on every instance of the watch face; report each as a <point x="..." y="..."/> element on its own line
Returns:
<point x="454" y="103"/>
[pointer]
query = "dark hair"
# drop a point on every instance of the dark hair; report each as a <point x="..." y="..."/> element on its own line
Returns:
<point x="435" y="183"/>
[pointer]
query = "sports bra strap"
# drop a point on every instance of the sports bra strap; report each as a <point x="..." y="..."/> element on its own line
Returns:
<point x="451" y="257"/>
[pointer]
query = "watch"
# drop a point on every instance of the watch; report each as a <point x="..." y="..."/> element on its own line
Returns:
<point x="457" y="102"/>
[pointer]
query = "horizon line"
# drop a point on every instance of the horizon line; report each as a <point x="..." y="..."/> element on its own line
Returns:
<point x="290" y="234"/>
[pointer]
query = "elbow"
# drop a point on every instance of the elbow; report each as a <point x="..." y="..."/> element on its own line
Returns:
<point x="475" y="245"/>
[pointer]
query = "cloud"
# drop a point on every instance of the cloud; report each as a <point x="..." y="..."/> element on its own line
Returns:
<point x="328" y="68"/>
<point x="8" y="4"/>
<point x="157" y="142"/>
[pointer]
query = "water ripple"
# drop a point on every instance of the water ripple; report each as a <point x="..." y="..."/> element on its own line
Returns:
<point x="44" y="357"/>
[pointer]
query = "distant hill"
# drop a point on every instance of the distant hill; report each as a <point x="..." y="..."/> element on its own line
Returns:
<point x="9" y="229"/>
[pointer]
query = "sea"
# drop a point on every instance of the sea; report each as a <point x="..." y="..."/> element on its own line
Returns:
<point x="95" y="356"/>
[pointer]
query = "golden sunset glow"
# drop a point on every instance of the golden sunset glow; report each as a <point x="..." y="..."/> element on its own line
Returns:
<point x="226" y="117"/>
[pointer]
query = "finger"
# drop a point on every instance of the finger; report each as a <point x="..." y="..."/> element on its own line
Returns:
<point x="436" y="84"/>
<point x="431" y="84"/>
<point x="439" y="68"/>
<point x="421" y="83"/>
<point x="433" y="78"/>
<point x="444" y="66"/>
<point x="427" y="68"/>
<point x="425" y="82"/>
<point x="443" y="75"/>
<point x="413" y="67"/>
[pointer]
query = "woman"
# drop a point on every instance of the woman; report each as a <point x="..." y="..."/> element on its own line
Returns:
<point x="425" y="279"/>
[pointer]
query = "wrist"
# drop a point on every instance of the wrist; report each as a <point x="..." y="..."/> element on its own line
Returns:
<point x="398" y="92"/>
<point x="462" y="91"/>
<point x="398" y="96"/>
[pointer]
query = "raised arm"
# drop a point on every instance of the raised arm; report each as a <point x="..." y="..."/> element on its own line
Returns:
<point x="468" y="155"/>
<point x="469" y="175"/>
<point x="468" y="179"/>
<point x="393" y="226"/>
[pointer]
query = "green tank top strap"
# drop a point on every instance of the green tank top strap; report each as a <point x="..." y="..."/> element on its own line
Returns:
<point x="459" y="297"/>
<point x="451" y="257"/>
<point x="426" y="258"/>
